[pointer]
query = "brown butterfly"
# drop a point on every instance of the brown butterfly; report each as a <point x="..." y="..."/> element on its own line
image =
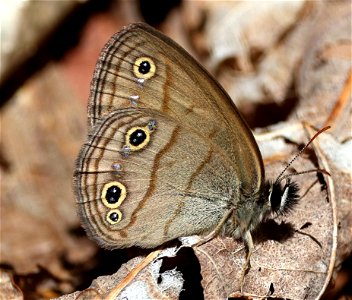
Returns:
<point x="168" y="155"/>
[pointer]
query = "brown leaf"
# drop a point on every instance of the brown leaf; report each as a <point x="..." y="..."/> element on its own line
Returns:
<point x="8" y="290"/>
<point x="264" y="42"/>
<point x="148" y="282"/>
<point x="37" y="201"/>
<point x="324" y="78"/>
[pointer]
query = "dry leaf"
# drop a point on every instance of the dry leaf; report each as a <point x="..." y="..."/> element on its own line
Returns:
<point x="37" y="201"/>
<point x="32" y="25"/>
<point x="149" y="283"/>
<point x="239" y="24"/>
<point x="263" y="42"/>
<point x="326" y="71"/>
<point x="8" y="290"/>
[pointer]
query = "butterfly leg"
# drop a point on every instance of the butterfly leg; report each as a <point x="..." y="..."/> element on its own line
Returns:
<point x="247" y="238"/>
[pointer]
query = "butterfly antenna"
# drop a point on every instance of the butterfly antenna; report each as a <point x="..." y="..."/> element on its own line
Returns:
<point x="280" y="177"/>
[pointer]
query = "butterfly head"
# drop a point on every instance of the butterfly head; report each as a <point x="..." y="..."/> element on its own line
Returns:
<point x="273" y="199"/>
<point x="283" y="198"/>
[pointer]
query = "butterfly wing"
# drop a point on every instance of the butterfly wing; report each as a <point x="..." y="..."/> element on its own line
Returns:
<point x="168" y="153"/>
<point x="146" y="195"/>
<point x="179" y="87"/>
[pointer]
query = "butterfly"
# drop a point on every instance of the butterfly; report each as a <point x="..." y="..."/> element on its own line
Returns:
<point x="168" y="154"/>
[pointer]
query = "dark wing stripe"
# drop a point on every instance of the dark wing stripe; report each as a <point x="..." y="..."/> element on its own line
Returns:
<point x="153" y="177"/>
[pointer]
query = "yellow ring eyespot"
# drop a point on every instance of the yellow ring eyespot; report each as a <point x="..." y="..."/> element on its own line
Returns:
<point x="114" y="216"/>
<point x="144" y="68"/>
<point x="137" y="138"/>
<point x="113" y="194"/>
